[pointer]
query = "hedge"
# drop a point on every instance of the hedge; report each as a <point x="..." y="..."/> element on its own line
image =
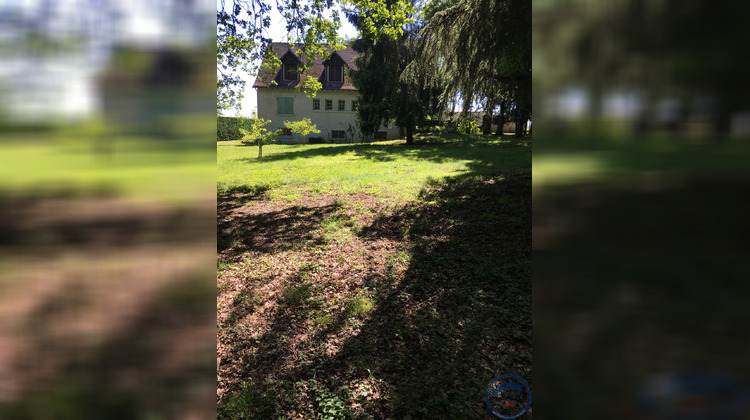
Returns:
<point x="228" y="128"/>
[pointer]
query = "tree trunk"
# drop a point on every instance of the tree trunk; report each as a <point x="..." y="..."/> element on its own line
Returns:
<point x="519" y="124"/>
<point x="409" y="134"/>
<point x="500" y="120"/>
<point x="260" y="149"/>
<point x="487" y="123"/>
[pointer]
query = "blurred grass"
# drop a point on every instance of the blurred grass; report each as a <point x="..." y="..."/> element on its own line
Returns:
<point x="604" y="161"/>
<point x="135" y="168"/>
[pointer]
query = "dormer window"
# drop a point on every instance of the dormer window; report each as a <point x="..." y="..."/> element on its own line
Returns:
<point x="289" y="72"/>
<point x="335" y="73"/>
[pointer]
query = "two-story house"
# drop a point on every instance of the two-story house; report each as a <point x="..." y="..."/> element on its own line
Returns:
<point x="332" y="110"/>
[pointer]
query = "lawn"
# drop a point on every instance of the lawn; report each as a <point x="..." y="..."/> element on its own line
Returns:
<point x="385" y="169"/>
<point x="372" y="280"/>
<point x="565" y="162"/>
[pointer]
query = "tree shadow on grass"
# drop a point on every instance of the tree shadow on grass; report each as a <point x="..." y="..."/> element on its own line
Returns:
<point x="137" y="371"/>
<point x="438" y="330"/>
<point x="267" y="231"/>
<point x="435" y="149"/>
<point x="462" y="313"/>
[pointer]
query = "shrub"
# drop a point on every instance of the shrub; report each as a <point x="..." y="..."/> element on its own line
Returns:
<point x="468" y="125"/>
<point x="228" y="128"/>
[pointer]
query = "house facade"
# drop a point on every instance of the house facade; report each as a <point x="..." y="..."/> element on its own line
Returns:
<point x="332" y="110"/>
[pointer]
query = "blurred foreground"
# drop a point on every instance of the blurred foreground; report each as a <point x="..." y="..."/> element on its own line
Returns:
<point x="107" y="207"/>
<point x="640" y="231"/>
<point x="106" y="281"/>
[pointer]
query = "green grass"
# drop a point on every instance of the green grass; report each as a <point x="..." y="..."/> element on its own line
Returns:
<point x="360" y="305"/>
<point x="387" y="169"/>
<point x="296" y="295"/>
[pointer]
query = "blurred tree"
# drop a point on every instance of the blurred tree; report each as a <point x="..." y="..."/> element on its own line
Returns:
<point x="657" y="48"/>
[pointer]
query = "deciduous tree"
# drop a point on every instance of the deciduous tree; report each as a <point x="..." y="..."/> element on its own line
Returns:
<point x="384" y="96"/>
<point x="303" y="127"/>
<point x="257" y="133"/>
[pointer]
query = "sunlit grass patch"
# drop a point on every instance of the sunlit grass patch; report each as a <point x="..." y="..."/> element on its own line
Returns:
<point x="133" y="170"/>
<point x="296" y="295"/>
<point x="634" y="161"/>
<point x="337" y="229"/>
<point x="389" y="169"/>
<point x="360" y="305"/>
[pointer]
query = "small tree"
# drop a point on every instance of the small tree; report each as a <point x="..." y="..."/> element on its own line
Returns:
<point x="303" y="128"/>
<point x="256" y="133"/>
<point x="467" y="125"/>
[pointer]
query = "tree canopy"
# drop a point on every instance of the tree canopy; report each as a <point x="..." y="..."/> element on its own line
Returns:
<point x="480" y="48"/>
<point x="242" y="35"/>
<point x="384" y="97"/>
<point x="655" y="49"/>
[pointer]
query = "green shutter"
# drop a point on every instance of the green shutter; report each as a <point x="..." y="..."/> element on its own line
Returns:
<point x="285" y="105"/>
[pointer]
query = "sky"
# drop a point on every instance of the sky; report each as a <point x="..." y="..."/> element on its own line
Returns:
<point x="278" y="33"/>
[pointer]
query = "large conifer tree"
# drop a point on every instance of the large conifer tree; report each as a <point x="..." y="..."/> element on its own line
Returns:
<point x="384" y="96"/>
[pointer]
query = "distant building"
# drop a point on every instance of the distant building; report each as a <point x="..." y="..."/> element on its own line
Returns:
<point x="333" y="110"/>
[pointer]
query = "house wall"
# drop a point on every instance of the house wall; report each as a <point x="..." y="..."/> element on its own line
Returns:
<point x="325" y="121"/>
